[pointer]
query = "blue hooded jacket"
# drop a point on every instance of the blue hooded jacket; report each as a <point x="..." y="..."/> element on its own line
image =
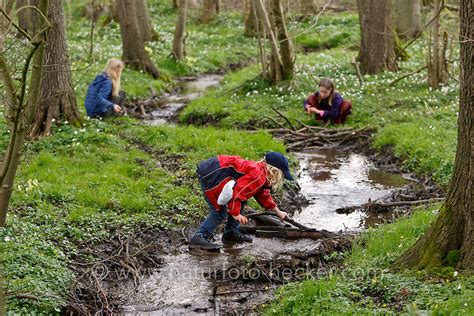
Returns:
<point x="98" y="96"/>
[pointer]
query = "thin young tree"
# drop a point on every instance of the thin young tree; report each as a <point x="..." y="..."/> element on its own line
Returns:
<point x="178" y="50"/>
<point x="437" y="64"/>
<point x="57" y="101"/>
<point x="450" y="238"/>
<point x="377" y="45"/>
<point x="285" y="43"/>
<point x="21" y="98"/>
<point x="282" y="59"/>
<point x="133" y="45"/>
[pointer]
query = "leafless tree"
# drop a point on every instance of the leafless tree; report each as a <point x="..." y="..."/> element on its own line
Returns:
<point x="20" y="99"/>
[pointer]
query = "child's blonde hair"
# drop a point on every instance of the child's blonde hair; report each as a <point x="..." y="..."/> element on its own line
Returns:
<point x="328" y="84"/>
<point x="113" y="69"/>
<point x="274" y="176"/>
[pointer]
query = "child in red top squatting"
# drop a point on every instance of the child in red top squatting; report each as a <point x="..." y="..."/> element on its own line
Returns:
<point x="228" y="182"/>
<point x="327" y="104"/>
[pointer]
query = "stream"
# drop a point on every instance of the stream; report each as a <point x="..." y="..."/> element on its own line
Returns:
<point x="207" y="283"/>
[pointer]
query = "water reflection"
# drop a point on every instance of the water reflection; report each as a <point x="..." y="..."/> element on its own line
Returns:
<point x="332" y="179"/>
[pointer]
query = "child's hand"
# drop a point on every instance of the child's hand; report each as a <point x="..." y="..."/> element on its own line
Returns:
<point x="282" y="215"/>
<point x="241" y="219"/>
<point x="117" y="108"/>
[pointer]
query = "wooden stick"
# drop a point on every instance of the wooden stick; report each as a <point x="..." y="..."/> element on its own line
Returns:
<point x="358" y="73"/>
<point x="291" y="125"/>
<point x="403" y="203"/>
<point x="274" y="121"/>
<point x="294" y="234"/>
<point x="407" y="75"/>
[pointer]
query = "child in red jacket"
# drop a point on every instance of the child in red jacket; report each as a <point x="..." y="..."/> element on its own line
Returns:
<point x="327" y="104"/>
<point x="228" y="182"/>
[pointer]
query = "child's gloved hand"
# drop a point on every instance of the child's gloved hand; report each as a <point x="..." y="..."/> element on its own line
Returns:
<point x="241" y="219"/>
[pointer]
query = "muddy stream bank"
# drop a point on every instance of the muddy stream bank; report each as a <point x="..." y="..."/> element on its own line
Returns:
<point x="239" y="278"/>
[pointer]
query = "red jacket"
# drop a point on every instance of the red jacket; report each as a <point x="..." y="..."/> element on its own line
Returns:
<point x="250" y="177"/>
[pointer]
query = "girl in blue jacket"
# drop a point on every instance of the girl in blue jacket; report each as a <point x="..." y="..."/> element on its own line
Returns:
<point x="104" y="97"/>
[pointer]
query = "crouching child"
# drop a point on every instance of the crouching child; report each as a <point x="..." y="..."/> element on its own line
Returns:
<point x="227" y="183"/>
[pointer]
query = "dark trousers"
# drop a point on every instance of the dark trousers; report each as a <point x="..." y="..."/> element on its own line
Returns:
<point x="346" y="107"/>
<point x="116" y="99"/>
<point x="215" y="218"/>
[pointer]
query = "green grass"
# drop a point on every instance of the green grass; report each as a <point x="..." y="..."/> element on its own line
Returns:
<point x="418" y="122"/>
<point x="81" y="185"/>
<point x="206" y="50"/>
<point x="366" y="286"/>
<point x="328" y="31"/>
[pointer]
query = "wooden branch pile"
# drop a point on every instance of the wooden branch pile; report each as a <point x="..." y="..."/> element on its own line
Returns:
<point x="310" y="137"/>
<point x="95" y="290"/>
<point x="138" y="108"/>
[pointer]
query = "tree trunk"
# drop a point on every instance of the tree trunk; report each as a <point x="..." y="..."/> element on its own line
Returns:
<point x="144" y="23"/>
<point x="178" y="40"/>
<point x="5" y="25"/>
<point x="57" y="101"/>
<point x="286" y="47"/>
<point x="451" y="236"/>
<point x="134" y="53"/>
<point x="23" y="114"/>
<point x="377" y="47"/>
<point x="276" y="71"/>
<point x="408" y="18"/>
<point x="436" y="57"/>
<point x="308" y="7"/>
<point x="26" y="17"/>
<point x="250" y="20"/>
<point x="261" y="36"/>
<point x="209" y="11"/>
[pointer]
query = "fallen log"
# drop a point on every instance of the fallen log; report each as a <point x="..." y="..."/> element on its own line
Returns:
<point x="268" y="220"/>
<point x="274" y="220"/>
<point x="384" y="207"/>
<point x="252" y="229"/>
<point x="294" y="234"/>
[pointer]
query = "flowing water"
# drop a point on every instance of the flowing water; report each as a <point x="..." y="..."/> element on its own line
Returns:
<point x="333" y="178"/>
<point x="329" y="179"/>
<point x="171" y="104"/>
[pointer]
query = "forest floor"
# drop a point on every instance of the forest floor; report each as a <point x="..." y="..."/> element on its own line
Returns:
<point x="121" y="192"/>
